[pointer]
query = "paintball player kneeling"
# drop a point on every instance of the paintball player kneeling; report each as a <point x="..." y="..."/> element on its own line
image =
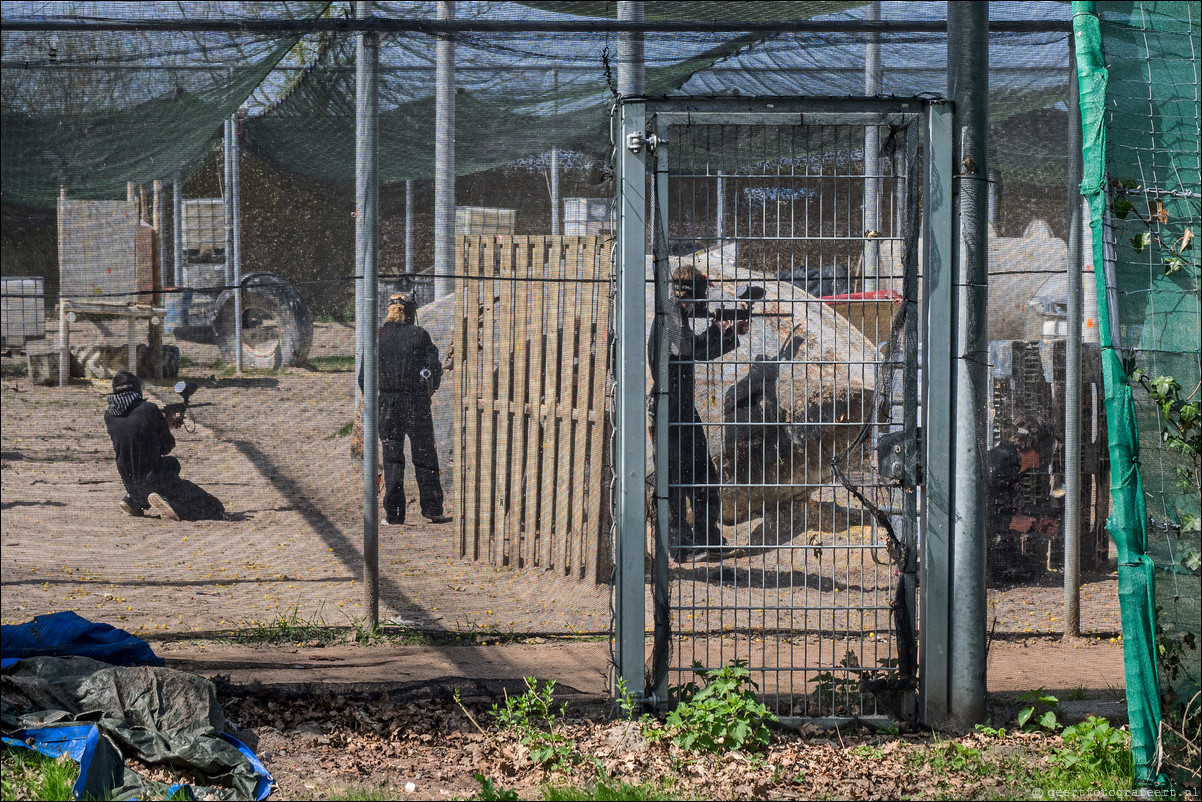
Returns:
<point x="142" y="439"/>
<point x="409" y="374"/>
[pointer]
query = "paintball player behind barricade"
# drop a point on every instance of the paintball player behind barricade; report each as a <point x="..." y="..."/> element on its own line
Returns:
<point x="410" y="372"/>
<point x="142" y="440"/>
<point x="689" y="461"/>
<point x="1029" y="448"/>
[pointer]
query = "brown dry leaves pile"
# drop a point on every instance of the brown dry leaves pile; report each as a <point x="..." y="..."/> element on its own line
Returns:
<point x="431" y="750"/>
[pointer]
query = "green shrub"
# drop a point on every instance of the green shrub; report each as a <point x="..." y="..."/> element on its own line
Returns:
<point x="722" y="716"/>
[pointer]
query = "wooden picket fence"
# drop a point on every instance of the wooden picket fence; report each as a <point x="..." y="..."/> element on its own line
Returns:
<point x="531" y="353"/>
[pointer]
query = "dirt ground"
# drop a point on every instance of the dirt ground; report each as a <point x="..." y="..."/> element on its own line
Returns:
<point x="269" y="446"/>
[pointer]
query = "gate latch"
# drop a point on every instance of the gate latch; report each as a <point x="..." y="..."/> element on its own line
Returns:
<point x="893" y="461"/>
<point x="635" y="142"/>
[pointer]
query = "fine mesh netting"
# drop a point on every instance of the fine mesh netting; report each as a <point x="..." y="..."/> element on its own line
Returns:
<point x="520" y="309"/>
<point x="1141" y="117"/>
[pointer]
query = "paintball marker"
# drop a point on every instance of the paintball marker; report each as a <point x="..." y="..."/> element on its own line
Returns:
<point x="177" y="410"/>
<point x="742" y="311"/>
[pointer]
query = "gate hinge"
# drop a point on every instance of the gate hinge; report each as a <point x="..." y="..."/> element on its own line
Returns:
<point x="635" y="142"/>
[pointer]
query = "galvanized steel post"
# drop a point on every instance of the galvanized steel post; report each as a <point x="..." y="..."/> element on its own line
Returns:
<point x="555" y="210"/>
<point x="409" y="265"/>
<point x="1072" y="365"/>
<point x="935" y="578"/>
<point x="444" y="158"/>
<point x="227" y="199"/>
<point x="630" y="457"/>
<point x="872" y="162"/>
<point x="968" y="75"/>
<point x="177" y="228"/>
<point x="236" y="194"/>
<point x="367" y="61"/>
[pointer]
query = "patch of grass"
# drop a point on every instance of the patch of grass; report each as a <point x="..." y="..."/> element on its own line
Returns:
<point x="345" y="429"/>
<point x="332" y="364"/>
<point x="292" y="628"/>
<point x="381" y="793"/>
<point x="29" y="775"/>
<point x="608" y="791"/>
<point x="12" y="368"/>
<point x="1076" y="694"/>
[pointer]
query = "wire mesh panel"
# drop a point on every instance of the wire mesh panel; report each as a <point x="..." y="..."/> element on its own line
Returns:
<point x="779" y="344"/>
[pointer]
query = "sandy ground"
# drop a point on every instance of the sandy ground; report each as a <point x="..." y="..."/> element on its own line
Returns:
<point x="268" y="445"/>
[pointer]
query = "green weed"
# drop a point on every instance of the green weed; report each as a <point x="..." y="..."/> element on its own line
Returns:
<point x="1041" y="712"/>
<point x="1094" y="747"/>
<point x="533" y="717"/>
<point x="722" y="716"/>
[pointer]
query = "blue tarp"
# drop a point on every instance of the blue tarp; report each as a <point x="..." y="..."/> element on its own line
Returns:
<point x="50" y="674"/>
<point x="61" y="634"/>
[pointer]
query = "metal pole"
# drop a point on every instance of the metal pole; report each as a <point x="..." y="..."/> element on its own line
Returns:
<point x="1072" y="366"/>
<point x="630" y="457"/>
<point x="721" y="201"/>
<point x="367" y="209"/>
<point x="872" y="147"/>
<point x="236" y="194"/>
<point x="444" y="159"/>
<point x="64" y="331"/>
<point x="177" y="228"/>
<point x="968" y="70"/>
<point x="554" y="161"/>
<point x="409" y="266"/>
<point x="227" y="205"/>
<point x="157" y="225"/>
<point x="935" y="582"/>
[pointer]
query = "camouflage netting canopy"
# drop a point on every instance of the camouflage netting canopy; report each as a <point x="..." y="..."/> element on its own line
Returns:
<point x="91" y="110"/>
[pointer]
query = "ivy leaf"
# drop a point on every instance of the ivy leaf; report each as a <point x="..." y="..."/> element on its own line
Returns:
<point x="1180" y="245"/>
<point x="1142" y="241"/>
<point x="1173" y="264"/>
<point x="1122" y="207"/>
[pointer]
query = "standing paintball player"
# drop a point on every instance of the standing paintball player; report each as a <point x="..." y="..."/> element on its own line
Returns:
<point x="410" y="372"/>
<point x="691" y="472"/>
<point x="142" y="439"/>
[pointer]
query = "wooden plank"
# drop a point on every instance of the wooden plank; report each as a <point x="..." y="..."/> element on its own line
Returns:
<point x="468" y="358"/>
<point x="529" y="313"/>
<point x="506" y="320"/>
<point x="574" y="443"/>
<point x="536" y="347"/>
<point x="458" y="433"/>
<point x="586" y="252"/>
<point x="487" y="393"/>
<point x="598" y="268"/>
<point x="557" y="401"/>
<point x="545" y="478"/>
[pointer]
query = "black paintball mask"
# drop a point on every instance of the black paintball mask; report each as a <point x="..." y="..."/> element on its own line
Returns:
<point x="691" y="288"/>
<point x="124" y="382"/>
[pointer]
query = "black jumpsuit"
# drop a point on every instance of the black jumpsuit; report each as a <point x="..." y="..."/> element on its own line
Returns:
<point x="141" y="442"/>
<point x="689" y="461"/>
<point x="405" y="351"/>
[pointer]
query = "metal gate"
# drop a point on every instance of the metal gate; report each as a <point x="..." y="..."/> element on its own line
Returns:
<point x="784" y="363"/>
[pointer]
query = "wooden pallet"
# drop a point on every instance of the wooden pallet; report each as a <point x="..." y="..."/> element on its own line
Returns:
<point x="532" y="343"/>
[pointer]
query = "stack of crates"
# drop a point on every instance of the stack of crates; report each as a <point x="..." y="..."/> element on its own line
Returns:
<point x="22" y="310"/>
<point x="586" y="217"/>
<point x="473" y="221"/>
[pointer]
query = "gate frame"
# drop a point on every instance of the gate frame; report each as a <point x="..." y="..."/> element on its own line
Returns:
<point x="635" y="143"/>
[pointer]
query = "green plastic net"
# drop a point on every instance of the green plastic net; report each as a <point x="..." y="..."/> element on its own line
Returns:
<point x="1139" y="67"/>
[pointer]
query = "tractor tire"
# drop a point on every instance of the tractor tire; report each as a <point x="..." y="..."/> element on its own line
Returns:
<point x="277" y="328"/>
